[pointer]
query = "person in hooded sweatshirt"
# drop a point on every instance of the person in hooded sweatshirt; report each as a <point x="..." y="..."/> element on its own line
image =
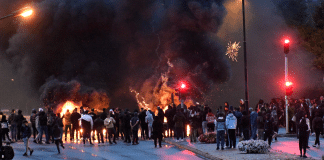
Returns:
<point x="59" y="123"/>
<point x="303" y="128"/>
<point x="149" y="120"/>
<point x="127" y="127"/>
<point x="134" y="123"/>
<point x="19" y="121"/>
<point x="178" y="119"/>
<point x="317" y="127"/>
<point x="33" y="120"/>
<point x="157" y="131"/>
<point x="231" y="123"/>
<point x="268" y="129"/>
<point x="260" y="124"/>
<point x="220" y="128"/>
<point x="254" y="123"/>
<point x="238" y="116"/>
<point x="57" y="134"/>
<point x="246" y="125"/>
<point x="86" y="125"/>
<point x="13" y="126"/>
<point x="75" y="116"/>
<point x="26" y="133"/>
<point x="99" y="126"/>
<point x="4" y="127"/>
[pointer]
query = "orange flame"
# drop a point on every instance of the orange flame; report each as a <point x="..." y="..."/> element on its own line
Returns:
<point x="68" y="106"/>
<point x="165" y="119"/>
<point x="188" y="130"/>
<point x="27" y="13"/>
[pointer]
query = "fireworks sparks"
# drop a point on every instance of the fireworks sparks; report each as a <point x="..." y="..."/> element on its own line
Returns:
<point x="232" y="50"/>
<point x="141" y="103"/>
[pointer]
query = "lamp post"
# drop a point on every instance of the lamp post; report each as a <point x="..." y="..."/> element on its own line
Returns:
<point x="24" y="12"/>
<point x="245" y="62"/>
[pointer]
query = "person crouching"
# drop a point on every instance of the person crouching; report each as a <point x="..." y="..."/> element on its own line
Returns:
<point x="26" y="133"/>
<point x="58" y="137"/>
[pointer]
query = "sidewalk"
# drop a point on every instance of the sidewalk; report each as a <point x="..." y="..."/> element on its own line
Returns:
<point x="282" y="133"/>
<point x="284" y="148"/>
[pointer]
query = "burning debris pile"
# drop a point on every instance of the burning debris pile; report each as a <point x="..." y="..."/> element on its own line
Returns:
<point x="60" y="96"/>
<point x="97" y="49"/>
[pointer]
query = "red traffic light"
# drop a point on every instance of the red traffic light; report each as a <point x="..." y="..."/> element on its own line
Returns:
<point x="287" y="41"/>
<point x="183" y="86"/>
<point x="288" y="84"/>
<point x="289" y="88"/>
<point x="286" y="46"/>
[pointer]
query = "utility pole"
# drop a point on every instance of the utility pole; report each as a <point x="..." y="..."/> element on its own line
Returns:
<point x="245" y="62"/>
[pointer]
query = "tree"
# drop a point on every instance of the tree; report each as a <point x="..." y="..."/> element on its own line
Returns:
<point x="312" y="37"/>
<point x="318" y="16"/>
<point x="293" y="11"/>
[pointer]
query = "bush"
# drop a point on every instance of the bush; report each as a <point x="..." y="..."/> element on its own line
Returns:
<point x="253" y="146"/>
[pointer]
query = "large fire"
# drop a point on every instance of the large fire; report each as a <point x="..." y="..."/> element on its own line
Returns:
<point x="69" y="105"/>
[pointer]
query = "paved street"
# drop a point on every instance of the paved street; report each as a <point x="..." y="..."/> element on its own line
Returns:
<point x="119" y="151"/>
<point x="284" y="148"/>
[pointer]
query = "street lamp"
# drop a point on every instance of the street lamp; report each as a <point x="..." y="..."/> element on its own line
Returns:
<point x="245" y="62"/>
<point x="24" y="12"/>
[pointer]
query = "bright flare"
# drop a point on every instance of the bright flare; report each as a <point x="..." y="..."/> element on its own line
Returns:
<point x="27" y="13"/>
<point x="188" y="130"/>
<point x="68" y="106"/>
<point x="288" y="84"/>
<point x="287" y="41"/>
<point x="232" y="50"/>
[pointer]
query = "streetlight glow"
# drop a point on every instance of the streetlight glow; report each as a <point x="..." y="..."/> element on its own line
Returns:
<point x="27" y="13"/>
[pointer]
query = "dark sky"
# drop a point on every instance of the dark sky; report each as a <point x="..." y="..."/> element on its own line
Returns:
<point x="109" y="46"/>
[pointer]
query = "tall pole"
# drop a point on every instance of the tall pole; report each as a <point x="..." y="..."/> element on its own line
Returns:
<point x="286" y="97"/>
<point x="245" y="62"/>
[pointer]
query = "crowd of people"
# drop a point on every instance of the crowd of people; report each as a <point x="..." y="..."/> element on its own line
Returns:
<point x="261" y="122"/>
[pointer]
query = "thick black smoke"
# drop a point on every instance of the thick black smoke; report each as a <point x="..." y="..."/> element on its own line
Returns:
<point x="69" y="47"/>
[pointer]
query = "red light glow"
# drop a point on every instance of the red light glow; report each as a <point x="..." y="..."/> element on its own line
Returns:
<point x="287" y="41"/>
<point x="183" y="85"/>
<point x="288" y="84"/>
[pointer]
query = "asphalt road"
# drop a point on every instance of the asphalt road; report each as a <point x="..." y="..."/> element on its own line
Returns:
<point x="119" y="151"/>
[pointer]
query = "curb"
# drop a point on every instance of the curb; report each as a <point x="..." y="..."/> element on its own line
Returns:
<point x="194" y="150"/>
<point x="287" y="135"/>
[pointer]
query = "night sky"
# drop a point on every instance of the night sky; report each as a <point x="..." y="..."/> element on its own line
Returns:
<point x="94" y="51"/>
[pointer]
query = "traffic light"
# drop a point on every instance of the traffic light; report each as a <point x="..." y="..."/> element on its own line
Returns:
<point x="183" y="86"/>
<point x="289" y="89"/>
<point x="286" y="46"/>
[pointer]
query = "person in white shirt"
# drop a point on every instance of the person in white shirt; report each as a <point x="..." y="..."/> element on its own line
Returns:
<point x="86" y="125"/>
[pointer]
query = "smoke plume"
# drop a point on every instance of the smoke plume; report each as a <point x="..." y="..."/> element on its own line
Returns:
<point x="90" y="50"/>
